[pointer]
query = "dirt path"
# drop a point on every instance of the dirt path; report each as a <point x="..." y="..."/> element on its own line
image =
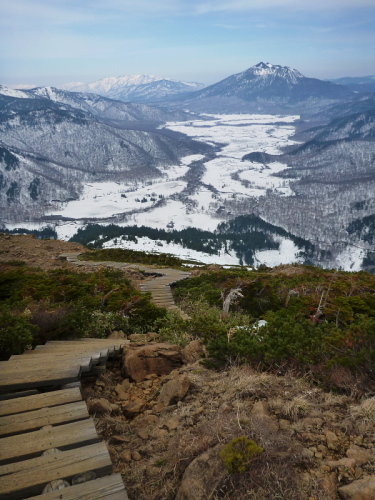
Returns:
<point x="160" y="286"/>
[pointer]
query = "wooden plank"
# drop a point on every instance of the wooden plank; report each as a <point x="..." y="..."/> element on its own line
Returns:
<point x="12" y="381"/>
<point x="107" y="488"/>
<point x="23" y="479"/>
<point x="23" y="422"/>
<point x="39" y="401"/>
<point x="67" y="436"/>
<point x="31" y="363"/>
<point x="95" y="357"/>
<point x="52" y="350"/>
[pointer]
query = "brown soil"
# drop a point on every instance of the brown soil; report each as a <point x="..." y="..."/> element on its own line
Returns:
<point x="36" y="253"/>
<point x="44" y="254"/>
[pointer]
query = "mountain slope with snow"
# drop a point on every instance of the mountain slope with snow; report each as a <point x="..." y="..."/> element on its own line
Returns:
<point x="265" y="88"/>
<point x="52" y="142"/>
<point x="135" y="88"/>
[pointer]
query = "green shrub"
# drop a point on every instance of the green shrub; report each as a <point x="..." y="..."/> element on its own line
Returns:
<point x="16" y="333"/>
<point x="123" y="255"/>
<point x="239" y="453"/>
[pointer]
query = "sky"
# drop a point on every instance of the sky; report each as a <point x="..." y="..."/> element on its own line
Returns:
<point x="51" y="42"/>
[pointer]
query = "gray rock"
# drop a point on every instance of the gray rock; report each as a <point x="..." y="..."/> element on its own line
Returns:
<point x="202" y="476"/>
<point x="173" y="391"/>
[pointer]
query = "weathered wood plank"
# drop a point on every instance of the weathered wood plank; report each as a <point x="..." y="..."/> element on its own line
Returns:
<point x="23" y="479"/>
<point x="31" y="363"/>
<point x="107" y="488"/>
<point x="39" y="401"/>
<point x="18" y="379"/>
<point x="23" y="422"/>
<point x="69" y="356"/>
<point x="32" y="444"/>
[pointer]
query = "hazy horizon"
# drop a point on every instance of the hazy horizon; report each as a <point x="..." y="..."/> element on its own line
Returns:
<point x="50" y="43"/>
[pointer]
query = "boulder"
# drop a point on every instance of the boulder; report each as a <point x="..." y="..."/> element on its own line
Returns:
<point x="153" y="358"/>
<point x="362" y="489"/>
<point x="202" y="476"/>
<point x="173" y="391"/>
<point x="261" y="419"/>
<point x="194" y="351"/>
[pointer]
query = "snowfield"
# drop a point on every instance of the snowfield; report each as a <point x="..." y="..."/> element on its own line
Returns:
<point x="225" y="176"/>
<point x="240" y="135"/>
<point x="164" y="203"/>
<point x="287" y="253"/>
<point x="147" y="245"/>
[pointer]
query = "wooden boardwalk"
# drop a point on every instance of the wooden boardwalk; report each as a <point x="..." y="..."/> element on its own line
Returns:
<point x="160" y="286"/>
<point x="39" y="414"/>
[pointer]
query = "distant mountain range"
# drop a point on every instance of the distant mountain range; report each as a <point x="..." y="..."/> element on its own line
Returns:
<point x="359" y="84"/>
<point x="135" y="88"/>
<point x="265" y="88"/>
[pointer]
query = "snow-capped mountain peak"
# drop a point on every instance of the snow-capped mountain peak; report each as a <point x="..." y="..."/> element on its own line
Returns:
<point x="134" y="88"/>
<point x="267" y="69"/>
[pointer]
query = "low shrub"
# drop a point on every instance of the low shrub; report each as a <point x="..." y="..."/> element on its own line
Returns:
<point x="16" y="333"/>
<point x="239" y="453"/>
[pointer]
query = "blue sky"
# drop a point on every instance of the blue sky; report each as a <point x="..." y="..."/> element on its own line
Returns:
<point x="48" y="42"/>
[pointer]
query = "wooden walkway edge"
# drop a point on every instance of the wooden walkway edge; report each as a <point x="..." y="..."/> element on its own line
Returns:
<point x="53" y="418"/>
<point x="160" y="286"/>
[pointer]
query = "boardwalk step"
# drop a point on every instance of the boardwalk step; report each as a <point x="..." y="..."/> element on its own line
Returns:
<point x="39" y="401"/>
<point x="107" y="488"/>
<point x="32" y="444"/>
<point x="19" y="379"/>
<point x="21" y="480"/>
<point x="23" y="422"/>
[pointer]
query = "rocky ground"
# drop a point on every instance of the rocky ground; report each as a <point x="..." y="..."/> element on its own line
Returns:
<point x="165" y="419"/>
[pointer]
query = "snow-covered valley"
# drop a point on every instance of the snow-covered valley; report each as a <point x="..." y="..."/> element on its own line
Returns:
<point x="200" y="192"/>
<point x="225" y="177"/>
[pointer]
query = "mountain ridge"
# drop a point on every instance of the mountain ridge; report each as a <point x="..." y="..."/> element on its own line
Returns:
<point x="134" y="88"/>
<point x="265" y="88"/>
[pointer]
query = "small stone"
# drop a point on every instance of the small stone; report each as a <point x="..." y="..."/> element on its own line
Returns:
<point x="142" y="433"/>
<point x="325" y="468"/>
<point x="126" y="456"/>
<point x="332" y="440"/>
<point x="121" y="392"/>
<point x="99" y="406"/>
<point x="284" y="424"/>
<point x="306" y="453"/>
<point x="136" y="456"/>
<point x="56" y="485"/>
<point x="133" y="407"/>
<point x="84" y="477"/>
<point x="51" y="451"/>
<point x="158" y="433"/>
<point x="172" y="423"/>
<point x="120" y="439"/>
